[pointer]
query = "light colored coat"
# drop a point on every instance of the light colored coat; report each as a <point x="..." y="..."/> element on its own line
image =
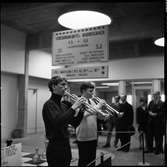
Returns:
<point x="87" y="130"/>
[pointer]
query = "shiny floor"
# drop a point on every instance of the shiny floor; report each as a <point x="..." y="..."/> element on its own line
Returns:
<point x="132" y="158"/>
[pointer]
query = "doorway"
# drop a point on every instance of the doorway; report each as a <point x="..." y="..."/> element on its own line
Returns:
<point x="140" y="91"/>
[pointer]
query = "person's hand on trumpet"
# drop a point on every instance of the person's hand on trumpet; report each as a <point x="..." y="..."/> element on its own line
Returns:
<point x="84" y="106"/>
<point x="78" y="103"/>
<point x="101" y="104"/>
<point x="74" y="96"/>
<point x="152" y="114"/>
<point x="120" y="114"/>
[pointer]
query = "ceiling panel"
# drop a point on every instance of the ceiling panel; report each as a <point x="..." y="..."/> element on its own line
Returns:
<point x="134" y="24"/>
<point x="130" y="20"/>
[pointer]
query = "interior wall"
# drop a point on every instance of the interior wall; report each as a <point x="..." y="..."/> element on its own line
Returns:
<point x="40" y="64"/>
<point x="43" y="94"/>
<point x="137" y="68"/>
<point x="122" y="69"/>
<point x="12" y="50"/>
<point x="9" y="104"/>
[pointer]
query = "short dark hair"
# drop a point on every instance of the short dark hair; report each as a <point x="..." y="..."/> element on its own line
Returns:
<point x="54" y="81"/>
<point x="123" y="95"/>
<point x="117" y="97"/>
<point x="87" y="85"/>
<point x="157" y="93"/>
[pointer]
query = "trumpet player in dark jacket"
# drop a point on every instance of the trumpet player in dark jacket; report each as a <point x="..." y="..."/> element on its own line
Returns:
<point x="57" y="116"/>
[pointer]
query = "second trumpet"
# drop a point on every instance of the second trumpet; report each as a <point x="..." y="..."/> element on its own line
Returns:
<point x="89" y="107"/>
<point x="109" y="108"/>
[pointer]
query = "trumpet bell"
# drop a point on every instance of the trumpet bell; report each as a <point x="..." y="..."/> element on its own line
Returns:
<point x="109" y="109"/>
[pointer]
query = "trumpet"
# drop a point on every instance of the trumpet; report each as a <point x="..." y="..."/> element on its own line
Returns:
<point x="89" y="108"/>
<point x="110" y="110"/>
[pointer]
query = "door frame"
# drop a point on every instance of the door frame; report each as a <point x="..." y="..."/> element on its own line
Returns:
<point x="35" y="90"/>
<point x="134" y="101"/>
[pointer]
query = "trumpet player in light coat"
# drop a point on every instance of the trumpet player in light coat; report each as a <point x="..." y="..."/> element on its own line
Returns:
<point x="86" y="132"/>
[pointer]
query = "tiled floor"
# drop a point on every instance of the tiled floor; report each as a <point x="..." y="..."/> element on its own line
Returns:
<point x="27" y="158"/>
<point x="132" y="158"/>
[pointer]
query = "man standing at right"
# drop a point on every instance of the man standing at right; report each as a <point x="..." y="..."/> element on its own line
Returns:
<point x="125" y="122"/>
<point x="155" y="123"/>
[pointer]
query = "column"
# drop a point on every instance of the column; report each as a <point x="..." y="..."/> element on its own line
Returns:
<point x="156" y="85"/>
<point x="21" y="126"/>
<point x="122" y="87"/>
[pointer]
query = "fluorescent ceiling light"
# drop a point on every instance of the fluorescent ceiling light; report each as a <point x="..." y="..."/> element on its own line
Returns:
<point x="160" y="42"/>
<point x="111" y="84"/>
<point x="83" y="80"/>
<point x="83" y="19"/>
<point x="141" y="83"/>
<point x="102" y="87"/>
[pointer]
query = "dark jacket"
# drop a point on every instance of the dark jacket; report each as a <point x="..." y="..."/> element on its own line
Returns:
<point x="159" y="119"/>
<point x="126" y="120"/>
<point x="142" y="118"/>
<point x="156" y="108"/>
<point x="57" y="116"/>
<point x="115" y="116"/>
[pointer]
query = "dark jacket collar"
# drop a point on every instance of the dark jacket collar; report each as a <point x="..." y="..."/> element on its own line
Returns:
<point x="56" y="98"/>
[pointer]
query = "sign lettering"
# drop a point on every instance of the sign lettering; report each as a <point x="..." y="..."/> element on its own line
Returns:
<point x="82" y="72"/>
<point x="73" y="47"/>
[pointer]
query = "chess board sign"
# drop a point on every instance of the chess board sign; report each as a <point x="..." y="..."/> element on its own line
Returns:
<point x="11" y="155"/>
<point x="27" y="158"/>
<point x="82" y="72"/>
<point x="81" y="46"/>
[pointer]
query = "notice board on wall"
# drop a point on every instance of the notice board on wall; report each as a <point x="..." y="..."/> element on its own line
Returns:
<point x="89" y="45"/>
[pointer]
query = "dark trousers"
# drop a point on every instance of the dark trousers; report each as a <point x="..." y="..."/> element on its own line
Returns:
<point x="117" y="137"/>
<point x="125" y="138"/>
<point x="143" y="135"/>
<point x="155" y="132"/>
<point x="110" y="126"/>
<point x="87" y="153"/>
<point x="58" y="154"/>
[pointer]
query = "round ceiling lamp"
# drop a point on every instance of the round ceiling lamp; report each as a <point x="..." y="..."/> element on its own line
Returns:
<point x="83" y="19"/>
<point x="160" y="42"/>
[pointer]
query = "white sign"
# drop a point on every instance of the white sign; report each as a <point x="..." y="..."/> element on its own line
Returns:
<point x="88" y="45"/>
<point x="82" y="72"/>
<point x="11" y="155"/>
